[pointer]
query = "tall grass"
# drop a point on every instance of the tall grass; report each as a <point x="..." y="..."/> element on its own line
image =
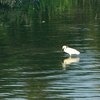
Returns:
<point x="53" y="8"/>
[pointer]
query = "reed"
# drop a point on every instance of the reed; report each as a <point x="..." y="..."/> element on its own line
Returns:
<point x="53" y="8"/>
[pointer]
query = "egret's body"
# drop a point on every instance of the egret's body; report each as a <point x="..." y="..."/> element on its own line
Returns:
<point x="70" y="51"/>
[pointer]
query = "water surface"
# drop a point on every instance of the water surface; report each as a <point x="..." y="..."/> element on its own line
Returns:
<point x="33" y="65"/>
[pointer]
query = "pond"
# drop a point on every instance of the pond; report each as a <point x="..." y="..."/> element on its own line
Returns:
<point x="34" y="66"/>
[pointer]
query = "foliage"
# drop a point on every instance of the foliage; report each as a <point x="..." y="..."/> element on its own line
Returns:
<point x="32" y="10"/>
<point x="10" y="3"/>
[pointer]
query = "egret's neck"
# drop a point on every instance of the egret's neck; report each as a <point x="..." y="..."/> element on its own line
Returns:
<point x="65" y="49"/>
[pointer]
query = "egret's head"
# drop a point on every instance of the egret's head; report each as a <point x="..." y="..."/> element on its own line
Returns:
<point x="64" y="47"/>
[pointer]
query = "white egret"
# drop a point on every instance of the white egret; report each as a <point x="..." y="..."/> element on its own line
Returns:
<point x="70" y="51"/>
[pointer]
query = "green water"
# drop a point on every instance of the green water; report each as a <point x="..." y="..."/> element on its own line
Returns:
<point x="33" y="65"/>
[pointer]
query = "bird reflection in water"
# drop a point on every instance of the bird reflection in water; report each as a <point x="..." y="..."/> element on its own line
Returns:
<point x="68" y="61"/>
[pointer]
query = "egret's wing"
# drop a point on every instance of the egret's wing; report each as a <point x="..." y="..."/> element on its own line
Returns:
<point x="73" y="51"/>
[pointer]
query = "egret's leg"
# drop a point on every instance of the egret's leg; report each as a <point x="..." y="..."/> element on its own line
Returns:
<point x="70" y="55"/>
